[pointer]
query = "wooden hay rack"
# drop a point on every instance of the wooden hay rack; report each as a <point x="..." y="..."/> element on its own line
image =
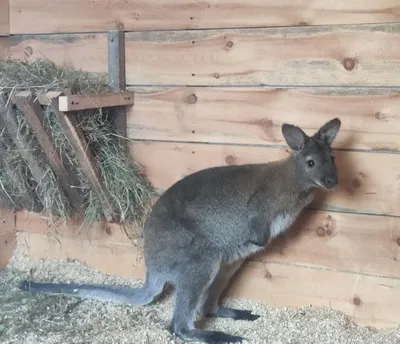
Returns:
<point x="65" y="104"/>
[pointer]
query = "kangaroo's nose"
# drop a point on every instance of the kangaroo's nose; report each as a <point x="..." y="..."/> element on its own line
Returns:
<point x="331" y="182"/>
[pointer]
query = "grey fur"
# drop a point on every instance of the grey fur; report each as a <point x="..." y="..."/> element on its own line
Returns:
<point x="204" y="226"/>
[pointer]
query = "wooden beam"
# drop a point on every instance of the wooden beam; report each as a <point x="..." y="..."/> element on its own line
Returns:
<point x="116" y="60"/>
<point x="117" y="75"/>
<point x="85" y="157"/>
<point x="83" y="15"/>
<point x="78" y="102"/>
<point x="366" y="180"/>
<point x="34" y="116"/>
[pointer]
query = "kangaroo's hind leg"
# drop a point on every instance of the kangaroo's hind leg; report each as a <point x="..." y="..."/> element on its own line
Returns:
<point x="192" y="282"/>
<point x="210" y="304"/>
<point x="152" y="288"/>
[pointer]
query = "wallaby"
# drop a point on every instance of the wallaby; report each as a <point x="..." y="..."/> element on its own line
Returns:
<point x="203" y="227"/>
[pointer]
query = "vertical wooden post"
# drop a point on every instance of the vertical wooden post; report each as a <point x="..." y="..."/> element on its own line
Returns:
<point x="117" y="75"/>
<point x="34" y="115"/>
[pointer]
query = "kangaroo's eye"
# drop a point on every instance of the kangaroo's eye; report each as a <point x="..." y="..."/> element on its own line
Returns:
<point x="310" y="163"/>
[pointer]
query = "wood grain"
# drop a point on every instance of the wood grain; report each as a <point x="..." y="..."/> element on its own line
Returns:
<point x="369" y="182"/>
<point x="275" y="284"/>
<point x="294" y="286"/>
<point x="77" y="102"/>
<point x="4" y="18"/>
<point x="366" y="55"/>
<point x="117" y="75"/>
<point x="370" y="117"/>
<point x="7" y="236"/>
<point x="72" y="16"/>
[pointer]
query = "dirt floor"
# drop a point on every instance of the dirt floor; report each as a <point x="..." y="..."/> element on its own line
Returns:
<point x="26" y="318"/>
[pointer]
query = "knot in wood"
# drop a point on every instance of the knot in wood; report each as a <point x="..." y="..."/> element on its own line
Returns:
<point x="356" y="301"/>
<point x="349" y="63"/>
<point x="192" y="99"/>
<point x="320" y="231"/>
<point x="230" y="160"/>
<point x="229" y="44"/>
<point x="216" y="76"/>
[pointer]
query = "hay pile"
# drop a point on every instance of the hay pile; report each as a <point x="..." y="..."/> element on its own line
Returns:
<point x="129" y="190"/>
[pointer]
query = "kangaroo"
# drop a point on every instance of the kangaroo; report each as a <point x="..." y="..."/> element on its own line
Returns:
<point x="202" y="228"/>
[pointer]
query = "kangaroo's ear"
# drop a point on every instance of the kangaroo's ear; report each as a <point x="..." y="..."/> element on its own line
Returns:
<point x="328" y="131"/>
<point x="294" y="136"/>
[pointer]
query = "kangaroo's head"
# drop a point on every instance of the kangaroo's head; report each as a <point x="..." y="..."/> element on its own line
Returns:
<point x="315" y="163"/>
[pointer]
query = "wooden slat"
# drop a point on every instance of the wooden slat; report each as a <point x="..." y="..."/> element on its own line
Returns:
<point x="73" y="16"/>
<point x="34" y="116"/>
<point x="7" y="236"/>
<point x="368" y="181"/>
<point x="367" y="55"/>
<point x="85" y="157"/>
<point x="4" y="18"/>
<point x="77" y="102"/>
<point x="277" y="285"/>
<point x="370" y="117"/>
<point x="328" y="240"/>
<point x="294" y="286"/>
<point x="117" y="75"/>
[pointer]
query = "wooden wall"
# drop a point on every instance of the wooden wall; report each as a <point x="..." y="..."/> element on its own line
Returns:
<point x="218" y="92"/>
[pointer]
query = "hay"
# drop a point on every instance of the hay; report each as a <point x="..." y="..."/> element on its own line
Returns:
<point x="129" y="190"/>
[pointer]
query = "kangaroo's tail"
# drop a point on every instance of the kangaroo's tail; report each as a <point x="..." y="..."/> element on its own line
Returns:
<point x="87" y="291"/>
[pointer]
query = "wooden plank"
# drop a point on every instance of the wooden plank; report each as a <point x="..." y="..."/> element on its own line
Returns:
<point x="85" y="157"/>
<point x="77" y="102"/>
<point x="7" y="236"/>
<point x="366" y="55"/>
<point x="370" y="117"/>
<point x="4" y="18"/>
<point x="72" y="16"/>
<point x="368" y="181"/>
<point x="327" y="240"/>
<point x="34" y="116"/>
<point x="369" y="300"/>
<point x="116" y="60"/>
<point x="117" y="75"/>
<point x="34" y="162"/>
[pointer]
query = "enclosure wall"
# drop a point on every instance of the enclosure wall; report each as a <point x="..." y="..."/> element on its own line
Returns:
<point x="214" y="82"/>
